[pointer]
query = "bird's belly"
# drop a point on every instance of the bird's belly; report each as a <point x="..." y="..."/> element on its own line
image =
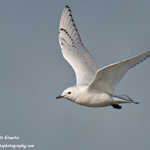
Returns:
<point x="95" y="100"/>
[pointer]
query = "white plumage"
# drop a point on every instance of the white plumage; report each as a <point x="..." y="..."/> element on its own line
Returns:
<point x="89" y="79"/>
<point x="73" y="49"/>
<point x="108" y="77"/>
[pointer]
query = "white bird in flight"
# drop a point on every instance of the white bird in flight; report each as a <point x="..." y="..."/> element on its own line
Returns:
<point x="94" y="87"/>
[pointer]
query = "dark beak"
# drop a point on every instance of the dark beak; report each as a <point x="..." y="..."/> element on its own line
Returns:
<point x="59" y="97"/>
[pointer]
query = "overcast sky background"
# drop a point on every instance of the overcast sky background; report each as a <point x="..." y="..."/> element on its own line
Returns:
<point x="33" y="73"/>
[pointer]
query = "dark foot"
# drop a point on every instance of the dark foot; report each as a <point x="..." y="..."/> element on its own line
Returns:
<point x="116" y="106"/>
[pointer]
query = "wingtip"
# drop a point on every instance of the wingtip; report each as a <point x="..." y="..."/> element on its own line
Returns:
<point x="68" y="7"/>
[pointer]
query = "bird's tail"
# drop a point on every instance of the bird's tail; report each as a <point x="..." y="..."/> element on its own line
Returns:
<point x="123" y="99"/>
<point x="129" y="99"/>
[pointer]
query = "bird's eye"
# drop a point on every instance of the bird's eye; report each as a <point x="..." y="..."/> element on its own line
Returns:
<point x="69" y="92"/>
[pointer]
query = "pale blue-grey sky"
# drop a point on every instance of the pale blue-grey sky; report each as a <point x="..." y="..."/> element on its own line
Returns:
<point x="33" y="73"/>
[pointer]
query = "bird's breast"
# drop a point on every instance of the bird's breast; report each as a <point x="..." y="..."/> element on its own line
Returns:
<point x="94" y="99"/>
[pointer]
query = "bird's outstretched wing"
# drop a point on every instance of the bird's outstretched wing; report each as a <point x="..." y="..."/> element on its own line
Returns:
<point x="108" y="77"/>
<point x="73" y="49"/>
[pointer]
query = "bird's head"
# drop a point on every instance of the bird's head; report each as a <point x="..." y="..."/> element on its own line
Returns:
<point x="69" y="93"/>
